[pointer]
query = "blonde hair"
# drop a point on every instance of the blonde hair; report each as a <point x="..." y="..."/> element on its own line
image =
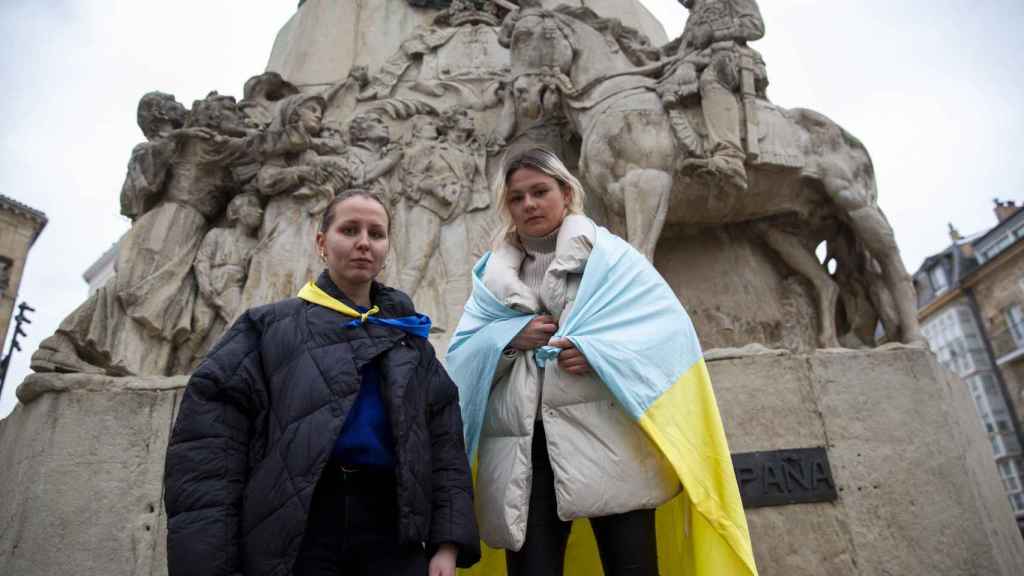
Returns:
<point x="545" y="162"/>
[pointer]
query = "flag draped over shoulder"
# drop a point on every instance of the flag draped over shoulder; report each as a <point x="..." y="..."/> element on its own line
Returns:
<point x="486" y="327"/>
<point x="641" y="343"/>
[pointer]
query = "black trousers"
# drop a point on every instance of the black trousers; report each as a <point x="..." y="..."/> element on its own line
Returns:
<point x="353" y="529"/>
<point x="626" y="542"/>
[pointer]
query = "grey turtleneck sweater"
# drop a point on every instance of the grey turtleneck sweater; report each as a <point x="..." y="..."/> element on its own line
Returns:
<point x="540" y="253"/>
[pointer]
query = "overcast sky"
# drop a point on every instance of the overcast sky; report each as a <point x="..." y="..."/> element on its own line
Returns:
<point x="932" y="88"/>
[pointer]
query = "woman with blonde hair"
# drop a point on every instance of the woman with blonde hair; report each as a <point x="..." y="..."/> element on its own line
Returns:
<point x="574" y="438"/>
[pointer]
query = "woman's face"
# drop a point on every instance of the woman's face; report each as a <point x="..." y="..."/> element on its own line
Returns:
<point x="536" y="201"/>
<point x="356" y="242"/>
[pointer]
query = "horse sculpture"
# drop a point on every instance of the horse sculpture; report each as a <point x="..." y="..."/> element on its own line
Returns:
<point x="603" y="77"/>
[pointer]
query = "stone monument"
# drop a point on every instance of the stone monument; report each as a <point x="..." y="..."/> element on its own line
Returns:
<point x="843" y="449"/>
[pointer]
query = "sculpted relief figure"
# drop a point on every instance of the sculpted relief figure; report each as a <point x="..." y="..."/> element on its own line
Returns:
<point x="259" y="97"/>
<point x="160" y="117"/>
<point x="371" y="155"/>
<point x="137" y="321"/>
<point x="442" y="178"/>
<point x="296" y="191"/>
<point x="311" y="166"/>
<point x="715" y="57"/>
<point x="221" y="268"/>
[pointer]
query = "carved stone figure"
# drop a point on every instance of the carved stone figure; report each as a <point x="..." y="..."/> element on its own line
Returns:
<point x="604" y="74"/>
<point x="159" y="116"/>
<point x="442" y="179"/>
<point x="220" y="269"/>
<point x="136" y="321"/>
<point x="259" y="96"/>
<point x="371" y="154"/>
<point x="298" y="187"/>
<point x="717" y="63"/>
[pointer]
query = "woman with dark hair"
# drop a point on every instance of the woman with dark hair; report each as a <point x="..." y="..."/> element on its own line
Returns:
<point x="321" y="435"/>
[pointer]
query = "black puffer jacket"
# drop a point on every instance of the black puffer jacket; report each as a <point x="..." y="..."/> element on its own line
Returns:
<point x="259" y="419"/>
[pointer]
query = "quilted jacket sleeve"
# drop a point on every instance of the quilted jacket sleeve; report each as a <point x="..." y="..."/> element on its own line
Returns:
<point x="452" y="516"/>
<point x="207" y="457"/>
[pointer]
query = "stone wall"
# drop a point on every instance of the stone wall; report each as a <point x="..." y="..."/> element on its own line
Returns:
<point x="918" y="492"/>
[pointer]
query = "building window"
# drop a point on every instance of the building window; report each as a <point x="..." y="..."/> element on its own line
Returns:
<point x="1017" y="502"/>
<point x="940" y="282"/>
<point x="998" y="246"/>
<point x="998" y="450"/>
<point x="1010" y="476"/>
<point x="6" y="266"/>
<point x="1015" y="320"/>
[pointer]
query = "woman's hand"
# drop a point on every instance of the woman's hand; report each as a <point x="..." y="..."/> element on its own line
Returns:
<point x="443" y="562"/>
<point x="535" y="334"/>
<point x="570" y="358"/>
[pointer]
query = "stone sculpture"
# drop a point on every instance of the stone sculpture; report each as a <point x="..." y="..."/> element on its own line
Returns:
<point x="371" y="153"/>
<point x="606" y="77"/>
<point x="715" y="63"/>
<point x="260" y="94"/>
<point x="220" y="269"/>
<point x="297" y="187"/>
<point x="137" y="322"/>
<point x="681" y="137"/>
<point x="442" y="178"/>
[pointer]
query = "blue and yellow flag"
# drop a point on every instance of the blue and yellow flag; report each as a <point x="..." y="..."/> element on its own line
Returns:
<point x="641" y="343"/>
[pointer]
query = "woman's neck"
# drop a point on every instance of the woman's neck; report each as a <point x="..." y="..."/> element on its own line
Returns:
<point x="541" y="244"/>
<point x="358" y="293"/>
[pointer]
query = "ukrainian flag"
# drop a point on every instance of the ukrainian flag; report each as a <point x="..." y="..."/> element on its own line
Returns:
<point x="641" y="343"/>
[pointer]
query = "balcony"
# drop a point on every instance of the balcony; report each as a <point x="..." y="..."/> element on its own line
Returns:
<point x="1008" y="344"/>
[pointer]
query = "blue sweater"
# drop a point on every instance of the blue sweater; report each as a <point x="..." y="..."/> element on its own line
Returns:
<point x="365" y="440"/>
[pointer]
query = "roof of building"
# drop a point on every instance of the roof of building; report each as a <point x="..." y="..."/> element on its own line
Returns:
<point x="102" y="262"/>
<point x="12" y="205"/>
<point x="963" y="254"/>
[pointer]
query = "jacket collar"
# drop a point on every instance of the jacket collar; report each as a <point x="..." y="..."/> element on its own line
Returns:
<point x="380" y="295"/>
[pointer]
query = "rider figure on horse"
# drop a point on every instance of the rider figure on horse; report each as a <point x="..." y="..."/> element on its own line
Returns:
<point x="714" y="57"/>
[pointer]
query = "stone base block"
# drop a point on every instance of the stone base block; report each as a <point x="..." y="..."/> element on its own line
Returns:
<point x="81" y="469"/>
<point x="81" y="463"/>
<point x="918" y="489"/>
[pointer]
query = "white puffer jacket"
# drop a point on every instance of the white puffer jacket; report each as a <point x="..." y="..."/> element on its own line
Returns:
<point x="603" y="462"/>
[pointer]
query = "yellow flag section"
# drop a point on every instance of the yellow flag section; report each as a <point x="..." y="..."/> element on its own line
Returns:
<point x="702" y="531"/>
<point x="684" y="423"/>
<point x="312" y="293"/>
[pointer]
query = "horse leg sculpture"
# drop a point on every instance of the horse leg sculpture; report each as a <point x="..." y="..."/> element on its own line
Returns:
<point x="803" y="262"/>
<point x="645" y="193"/>
<point x="876" y="233"/>
<point x="871" y="227"/>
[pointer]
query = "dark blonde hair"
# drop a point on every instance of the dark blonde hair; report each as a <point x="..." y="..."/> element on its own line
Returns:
<point x="546" y="162"/>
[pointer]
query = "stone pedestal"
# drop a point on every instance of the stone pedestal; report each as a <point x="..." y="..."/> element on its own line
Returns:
<point x="81" y="466"/>
<point x="918" y="491"/>
<point x="81" y="462"/>
<point x="726" y="280"/>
